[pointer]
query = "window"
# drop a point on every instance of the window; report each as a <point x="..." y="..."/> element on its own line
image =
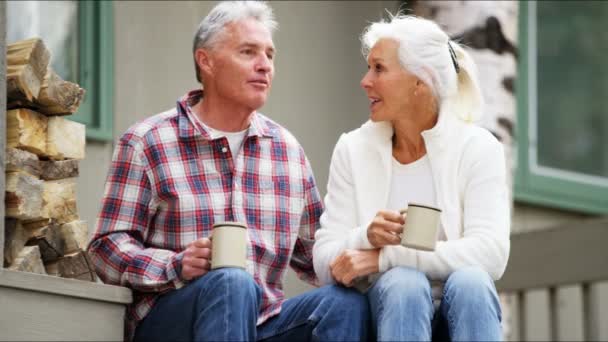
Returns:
<point x="562" y="105"/>
<point x="79" y="35"/>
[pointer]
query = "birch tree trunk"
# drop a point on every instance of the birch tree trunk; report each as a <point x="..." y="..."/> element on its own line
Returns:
<point x="489" y="30"/>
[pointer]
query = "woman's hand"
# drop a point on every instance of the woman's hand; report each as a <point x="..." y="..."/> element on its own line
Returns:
<point x="354" y="263"/>
<point x="385" y="229"/>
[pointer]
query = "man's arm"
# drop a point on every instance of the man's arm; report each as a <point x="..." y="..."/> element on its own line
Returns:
<point x="117" y="247"/>
<point x="301" y="260"/>
<point x="121" y="259"/>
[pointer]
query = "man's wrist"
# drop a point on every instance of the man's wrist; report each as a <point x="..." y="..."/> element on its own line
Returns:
<point x="174" y="270"/>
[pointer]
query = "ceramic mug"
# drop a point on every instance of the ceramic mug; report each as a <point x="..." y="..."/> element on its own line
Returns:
<point x="229" y="245"/>
<point x="421" y="225"/>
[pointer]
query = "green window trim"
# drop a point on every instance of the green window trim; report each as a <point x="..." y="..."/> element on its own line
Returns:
<point x="534" y="183"/>
<point x="96" y="68"/>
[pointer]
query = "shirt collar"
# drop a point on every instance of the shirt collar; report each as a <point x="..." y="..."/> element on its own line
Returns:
<point x="189" y="128"/>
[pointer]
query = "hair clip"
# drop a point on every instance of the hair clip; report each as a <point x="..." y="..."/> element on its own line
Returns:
<point x="454" y="59"/>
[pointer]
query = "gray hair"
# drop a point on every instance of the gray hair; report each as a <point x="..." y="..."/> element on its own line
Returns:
<point x="424" y="51"/>
<point x="224" y="13"/>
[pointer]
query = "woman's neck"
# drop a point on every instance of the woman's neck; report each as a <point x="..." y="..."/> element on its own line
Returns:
<point x="408" y="144"/>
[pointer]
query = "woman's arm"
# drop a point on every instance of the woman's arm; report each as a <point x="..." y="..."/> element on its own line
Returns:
<point x="339" y="228"/>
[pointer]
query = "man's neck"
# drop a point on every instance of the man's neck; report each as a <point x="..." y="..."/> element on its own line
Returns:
<point x="223" y="115"/>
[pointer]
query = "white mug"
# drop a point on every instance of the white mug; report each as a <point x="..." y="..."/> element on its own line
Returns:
<point x="421" y="225"/>
<point x="229" y="245"/>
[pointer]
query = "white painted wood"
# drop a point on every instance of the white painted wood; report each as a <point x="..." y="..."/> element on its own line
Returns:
<point x="27" y="315"/>
<point x="569" y="313"/>
<point x="537" y="315"/>
<point x="597" y="309"/>
<point x="556" y="257"/>
<point x="64" y="287"/>
<point x="510" y="316"/>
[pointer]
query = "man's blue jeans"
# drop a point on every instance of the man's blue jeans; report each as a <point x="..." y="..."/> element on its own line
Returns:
<point x="223" y="305"/>
<point x="402" y="307"/>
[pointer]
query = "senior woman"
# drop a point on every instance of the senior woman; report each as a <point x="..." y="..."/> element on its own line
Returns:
<point x="421" y="146"/>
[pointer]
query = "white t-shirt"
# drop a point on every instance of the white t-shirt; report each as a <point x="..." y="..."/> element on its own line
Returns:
<point x="412" y="183"/>
<point x="235" y="139"/>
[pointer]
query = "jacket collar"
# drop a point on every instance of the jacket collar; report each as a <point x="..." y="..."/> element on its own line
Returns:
<point x="377" y="162"/>
<point x="190" y="128"/>
<point x="382" y="131"/>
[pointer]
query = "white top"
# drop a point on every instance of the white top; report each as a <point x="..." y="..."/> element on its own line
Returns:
<point x="469" y="172"/>
<point x="235" y="139"/>
<point x="412" y="183"/>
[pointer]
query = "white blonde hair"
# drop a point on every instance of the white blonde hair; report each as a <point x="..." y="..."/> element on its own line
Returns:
<point x="424" y="51"/>
<point x="225" y="12"/>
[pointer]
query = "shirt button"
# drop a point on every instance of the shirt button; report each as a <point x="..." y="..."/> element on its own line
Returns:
<point x="224" y="149"/>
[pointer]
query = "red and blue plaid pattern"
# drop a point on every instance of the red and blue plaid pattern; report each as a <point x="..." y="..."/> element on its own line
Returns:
<point x="169" y="182"/>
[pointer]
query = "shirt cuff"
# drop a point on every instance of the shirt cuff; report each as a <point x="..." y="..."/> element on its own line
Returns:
<point x="391" y="256"/>
<point x="174" y="270"/>
<point x="359" y="240"/>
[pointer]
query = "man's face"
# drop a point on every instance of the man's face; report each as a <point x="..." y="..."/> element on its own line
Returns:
<point x="241" y="65"/>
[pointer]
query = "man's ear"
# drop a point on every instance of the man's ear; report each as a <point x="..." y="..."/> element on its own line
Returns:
<point x="204" y="60"/>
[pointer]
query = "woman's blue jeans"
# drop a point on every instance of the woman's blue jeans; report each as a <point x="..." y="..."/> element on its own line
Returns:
<point x="402" y="307"/>
<point x="224" y="304"/>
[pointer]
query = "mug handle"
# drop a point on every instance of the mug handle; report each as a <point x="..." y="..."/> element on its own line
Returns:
<point x="402" y="212"/>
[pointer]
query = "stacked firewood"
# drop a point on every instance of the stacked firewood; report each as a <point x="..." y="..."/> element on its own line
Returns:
<point x="43" y="232"/>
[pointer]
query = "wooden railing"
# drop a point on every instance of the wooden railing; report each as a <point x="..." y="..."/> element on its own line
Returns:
<point x="556" y="284"/>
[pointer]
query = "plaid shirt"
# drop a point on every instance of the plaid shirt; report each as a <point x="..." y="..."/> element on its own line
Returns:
<point x="170" y="181"/>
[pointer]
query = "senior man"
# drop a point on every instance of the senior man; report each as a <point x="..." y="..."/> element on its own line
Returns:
<point x="215" y="158"/>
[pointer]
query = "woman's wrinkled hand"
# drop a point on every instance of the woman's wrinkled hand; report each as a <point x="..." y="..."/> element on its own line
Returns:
<point x="354" y="263"/>
<point x="385" y="229"/>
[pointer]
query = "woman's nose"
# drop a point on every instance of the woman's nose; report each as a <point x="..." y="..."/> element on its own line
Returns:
<point x="366" y="82"/>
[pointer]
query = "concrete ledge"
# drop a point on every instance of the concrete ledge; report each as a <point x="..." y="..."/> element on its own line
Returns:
<point x="65" y="287"/>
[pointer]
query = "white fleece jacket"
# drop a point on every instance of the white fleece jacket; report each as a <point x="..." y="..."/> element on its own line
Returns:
<point x="469" y="173"/>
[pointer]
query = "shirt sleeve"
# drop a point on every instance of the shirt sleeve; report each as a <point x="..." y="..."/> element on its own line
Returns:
<point x="117" y="247"/>
<point x="302" y="258"/>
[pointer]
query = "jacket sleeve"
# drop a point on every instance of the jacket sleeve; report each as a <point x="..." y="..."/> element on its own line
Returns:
<point x="117" y="249"/>
<point x="339" y="223"/>
<point x="302" y="257"/>
<point x="486" y="221"/>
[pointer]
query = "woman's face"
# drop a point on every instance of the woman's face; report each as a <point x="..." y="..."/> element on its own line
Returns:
<point x="391" y="90"/>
